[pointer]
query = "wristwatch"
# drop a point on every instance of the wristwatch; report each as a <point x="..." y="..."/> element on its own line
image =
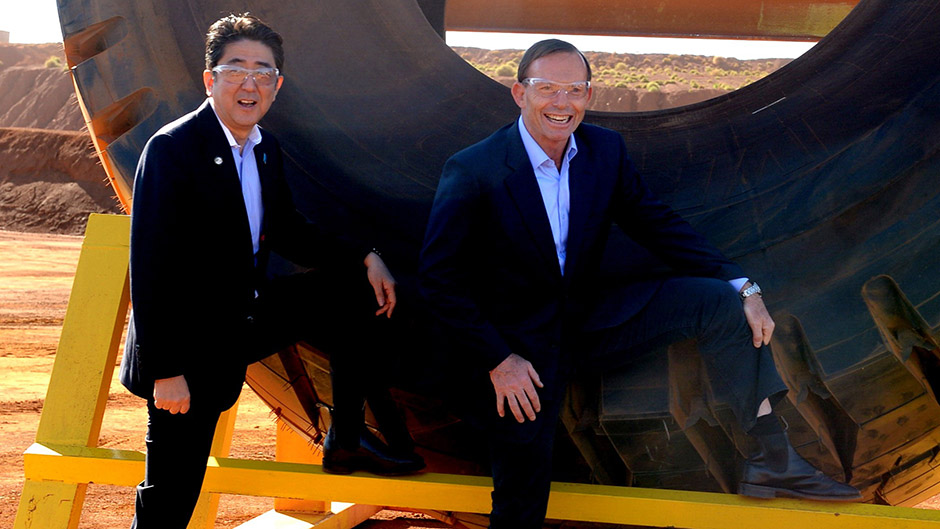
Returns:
<point x="750" y="291"/>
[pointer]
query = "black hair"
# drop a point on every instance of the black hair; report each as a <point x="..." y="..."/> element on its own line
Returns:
<point x="547" y="47"/>
<point x="246" y="26"/>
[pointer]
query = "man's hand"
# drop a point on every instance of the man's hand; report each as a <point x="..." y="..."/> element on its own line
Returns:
<point x="171" y="394"/>
<point x="382" y="283"/>
<point x="513" y="381"/>
<point x="762" y="325"/>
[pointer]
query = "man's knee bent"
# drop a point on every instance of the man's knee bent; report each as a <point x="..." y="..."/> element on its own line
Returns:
<point x="715" y="300"/>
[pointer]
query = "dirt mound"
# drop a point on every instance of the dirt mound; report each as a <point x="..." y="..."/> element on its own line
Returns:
<point x="50" y="181"/>
<point x="38" y="97"/>
<point x="35" y="95"/>
<point x="29" y="54"/>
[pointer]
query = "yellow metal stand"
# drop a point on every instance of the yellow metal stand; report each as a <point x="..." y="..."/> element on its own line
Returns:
<point x="65" y="457"/>
<point x="290" y="513"/>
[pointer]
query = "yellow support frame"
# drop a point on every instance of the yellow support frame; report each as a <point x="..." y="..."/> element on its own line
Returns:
<point x="65" y="457"/>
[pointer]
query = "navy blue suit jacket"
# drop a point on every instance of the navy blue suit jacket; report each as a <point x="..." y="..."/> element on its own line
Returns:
<point x="193" y="272"/>
<point x="489" y="269"/>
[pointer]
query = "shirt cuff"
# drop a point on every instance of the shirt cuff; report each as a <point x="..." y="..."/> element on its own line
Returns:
<point x="738" y="283"/>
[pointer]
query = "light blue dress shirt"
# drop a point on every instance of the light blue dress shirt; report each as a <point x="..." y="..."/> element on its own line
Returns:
<point x="553" y="184"/>
<point x="249" y="178"/>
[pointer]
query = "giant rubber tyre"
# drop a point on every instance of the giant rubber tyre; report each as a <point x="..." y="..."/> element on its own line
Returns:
<point x="820" y="179"/>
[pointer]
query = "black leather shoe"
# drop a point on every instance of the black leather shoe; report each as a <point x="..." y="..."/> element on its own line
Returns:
<point x="372" y="455"/>
<point x="798" y="479"/>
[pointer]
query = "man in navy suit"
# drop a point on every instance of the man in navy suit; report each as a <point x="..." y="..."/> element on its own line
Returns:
<point x="210" y="204"/>
<point x="510" y="265"/>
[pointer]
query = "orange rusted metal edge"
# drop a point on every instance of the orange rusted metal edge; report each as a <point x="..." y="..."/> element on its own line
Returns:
<point x="768" y="19"/>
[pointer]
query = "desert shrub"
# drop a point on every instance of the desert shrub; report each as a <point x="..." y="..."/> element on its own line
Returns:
<point x="622" y="84"/>
<point x="652" y="86"/>
<point x="506" y="70"/>
<point x="53" y="62"/>
<point x="620" y="67"/>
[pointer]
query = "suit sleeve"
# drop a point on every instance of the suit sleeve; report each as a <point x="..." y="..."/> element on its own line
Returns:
<point x="293" y="236"/>
<point x="160" y="279"/>
<point x="662" y="231"/>
<point x="447" y="261"/>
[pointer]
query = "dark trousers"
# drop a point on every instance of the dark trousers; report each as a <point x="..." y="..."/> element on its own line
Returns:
<point x="334" y="312"/>
<point x="706" y="310"/>
<point x="177" y="451"/>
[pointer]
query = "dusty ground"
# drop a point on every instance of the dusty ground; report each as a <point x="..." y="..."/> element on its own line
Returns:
<point x="36" y="272"/>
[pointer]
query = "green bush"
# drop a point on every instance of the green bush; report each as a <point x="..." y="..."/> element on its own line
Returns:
<point x="506" y="70"/>
<point x="53" y="62"/>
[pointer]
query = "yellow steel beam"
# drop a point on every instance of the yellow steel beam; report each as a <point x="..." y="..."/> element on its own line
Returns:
<point x="78" y="387"/>
<point x="91" y="335"/>
<point x="81" y="377"/>
<point x="767" y="19"/>
<point x="446" y="492"/>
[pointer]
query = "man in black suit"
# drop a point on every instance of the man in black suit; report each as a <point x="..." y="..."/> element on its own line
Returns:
<point x="210" y="204"/>
<point x="510" y="264"/>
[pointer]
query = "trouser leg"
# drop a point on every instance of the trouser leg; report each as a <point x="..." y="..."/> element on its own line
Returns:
<point x="335" y="312"/>
<point x="522" y="473"/>
<point x="710" y="312"/>
<point x="177" y="450"/>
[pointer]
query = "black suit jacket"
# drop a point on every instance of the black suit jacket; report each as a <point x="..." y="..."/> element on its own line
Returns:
<point x="193" y="272"/>
<point x="489" y="269"/>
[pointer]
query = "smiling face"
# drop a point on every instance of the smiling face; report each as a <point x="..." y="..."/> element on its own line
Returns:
<point x="241" y="106"/>
<point x="551" y="121"/>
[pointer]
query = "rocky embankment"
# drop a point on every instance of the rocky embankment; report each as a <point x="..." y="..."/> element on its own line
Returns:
<point x="50" y="181"/>
<point x="50" y="177"/>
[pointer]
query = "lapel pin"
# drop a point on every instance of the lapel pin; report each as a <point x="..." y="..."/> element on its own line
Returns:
<point x="264" y="158"/>
<point x="218" y="160"/>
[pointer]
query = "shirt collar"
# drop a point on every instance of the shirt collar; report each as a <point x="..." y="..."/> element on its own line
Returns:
<point x="537" y="156"/>
<point x="254" y="136"/>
